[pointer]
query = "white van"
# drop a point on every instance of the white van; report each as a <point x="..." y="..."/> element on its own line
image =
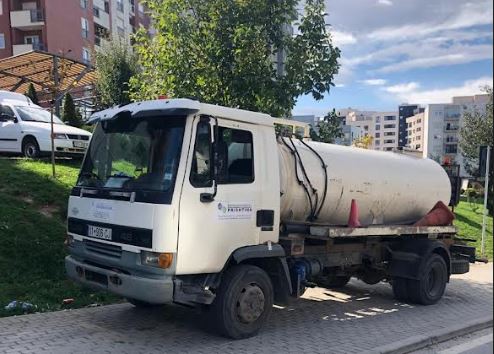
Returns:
<point x="25" y="128"/>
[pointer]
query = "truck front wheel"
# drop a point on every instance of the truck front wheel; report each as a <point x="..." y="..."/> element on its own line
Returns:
<point x="243" y="302"/>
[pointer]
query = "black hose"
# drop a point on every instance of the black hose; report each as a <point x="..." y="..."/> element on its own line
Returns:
<point x="300" y="181"/>
<point x="325" y="169"/>
<point x="314" y="191"/>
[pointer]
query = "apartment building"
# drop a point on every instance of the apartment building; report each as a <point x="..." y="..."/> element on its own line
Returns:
<point x="415" y="132"/>
<point x="382" y="126"/>
<point x="73" y="28"/>
<point x="405" y="111"/>
<point x="442" y="123"/>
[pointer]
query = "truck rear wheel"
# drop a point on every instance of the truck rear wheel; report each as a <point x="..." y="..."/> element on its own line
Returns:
<point x="243" y="302"/>
<point x="430" y="288"/>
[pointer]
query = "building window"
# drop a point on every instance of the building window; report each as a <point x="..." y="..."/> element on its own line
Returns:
<point x="378" y="135"/>
<point x="366" y="127"/>
<point x="378" y="142"/>
<point x="389" y="141"/>
<point x="107" y="7"/>
<point x="389" y="126"/>
<point x="451" y="149"/>
<point x="1" y="7"/>
<point x="378" y="119"/>
<point x="389" y="134"/>
<point x="120" y="5"/>
<point x="85" y="27"/>
<point x="84" y="4"/>
<point x="86" y="55"/>
<point x="96" y="11"/>
<point x="378" y="127"/>
<point x="2" y="41"/>
<point x="388" y="118"/>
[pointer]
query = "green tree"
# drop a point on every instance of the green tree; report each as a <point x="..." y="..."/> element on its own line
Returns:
<point x="115" y="64"/>
<point x="329" y="129"/>
<point x="31" y="93"/>
<point x="222" y="52"/>
<point x="70" y="114"/>
<point x="364" y="142"/>
<point x="477" y="130"/>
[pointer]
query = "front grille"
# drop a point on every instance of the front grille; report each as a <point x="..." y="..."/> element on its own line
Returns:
<point x="78" y="137"/>
<point x="103" y="249"/>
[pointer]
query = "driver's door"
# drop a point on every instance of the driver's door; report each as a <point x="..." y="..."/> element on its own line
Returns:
<point x="210" y="230"/>
<point x="10" y="131"/>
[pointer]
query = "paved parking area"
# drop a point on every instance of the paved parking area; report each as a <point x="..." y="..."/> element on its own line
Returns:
<point x="361" y="318"/>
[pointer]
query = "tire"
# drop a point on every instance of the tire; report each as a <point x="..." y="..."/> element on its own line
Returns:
<point x="30" y="148"/>
<point x="243" y="302"/>
<point x="333" y="282"/>
<point x="430" y="287"/>
<point x="400" y="289"/>
<point x="140" y="304"/>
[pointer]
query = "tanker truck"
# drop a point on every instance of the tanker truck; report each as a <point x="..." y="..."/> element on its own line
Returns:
<point x="206" y="206"/>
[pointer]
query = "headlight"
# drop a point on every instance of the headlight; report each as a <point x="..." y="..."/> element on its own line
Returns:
<point x="59" y="136"/>
<point x="154" y="259"/>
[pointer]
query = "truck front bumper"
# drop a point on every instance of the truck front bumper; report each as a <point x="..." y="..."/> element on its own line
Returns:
<point x="153" y="291"/>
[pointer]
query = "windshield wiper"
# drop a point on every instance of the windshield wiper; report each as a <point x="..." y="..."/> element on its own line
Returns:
<point x="89" y="174"/>
<point x="119" y="175"/>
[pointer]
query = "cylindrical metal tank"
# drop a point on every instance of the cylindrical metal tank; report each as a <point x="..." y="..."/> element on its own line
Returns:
<point x="389" y="188"/>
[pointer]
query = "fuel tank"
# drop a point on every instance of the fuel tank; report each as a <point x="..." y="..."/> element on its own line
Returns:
<point x="319" y="182"/>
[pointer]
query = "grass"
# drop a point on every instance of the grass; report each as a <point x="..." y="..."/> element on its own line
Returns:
<point x="32" y="233"/>
<point x="469" y="223"/>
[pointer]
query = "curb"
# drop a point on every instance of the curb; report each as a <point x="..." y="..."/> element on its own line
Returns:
<point x="441" y="335"/>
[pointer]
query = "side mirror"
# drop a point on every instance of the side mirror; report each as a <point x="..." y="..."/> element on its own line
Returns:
<point x="209" y="197"/>
<point x="7" y="118"/>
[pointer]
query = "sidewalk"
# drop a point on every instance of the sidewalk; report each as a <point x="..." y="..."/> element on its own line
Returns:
<point x="361" y="318"/>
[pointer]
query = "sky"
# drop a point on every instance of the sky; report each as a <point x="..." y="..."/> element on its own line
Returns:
<point x="406" y="51"/>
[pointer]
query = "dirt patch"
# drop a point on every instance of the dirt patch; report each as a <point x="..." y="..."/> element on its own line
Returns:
<point x="48" y="210"/>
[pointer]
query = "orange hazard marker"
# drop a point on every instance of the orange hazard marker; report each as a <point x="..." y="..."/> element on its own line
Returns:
<point x="440" y="215"/>
<point x="353" y="219"/>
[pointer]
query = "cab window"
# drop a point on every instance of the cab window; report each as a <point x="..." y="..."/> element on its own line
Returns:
<point x="235" y="156"/>
<point x="201" y="175"/>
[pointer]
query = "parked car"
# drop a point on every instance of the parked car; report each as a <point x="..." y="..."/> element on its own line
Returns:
<point x="25" y="128"/>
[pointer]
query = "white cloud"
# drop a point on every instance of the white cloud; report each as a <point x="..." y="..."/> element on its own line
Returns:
<point x="469" y="15"/>
<point x="385" y="2"/>
<point x="343" y="38"/>
<point x="441" y="57"/>
<point x="411" y="92"/>
<point x="403" y="89"/>
<point x="374" y="82"/>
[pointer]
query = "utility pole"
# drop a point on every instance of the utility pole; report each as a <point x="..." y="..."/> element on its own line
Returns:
<point x="56" y="81"/>
<point x="486" y="193"/>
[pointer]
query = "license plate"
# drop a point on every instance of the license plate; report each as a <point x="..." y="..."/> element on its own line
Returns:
<point x="99" y="232"/>
<point x="80" y="144"/>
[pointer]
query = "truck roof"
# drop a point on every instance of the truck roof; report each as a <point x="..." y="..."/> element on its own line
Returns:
<point x="182" y="106"/>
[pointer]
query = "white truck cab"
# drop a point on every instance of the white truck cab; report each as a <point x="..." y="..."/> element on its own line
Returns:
<point x="25" y="128"/>
<point x="179" y="202"/>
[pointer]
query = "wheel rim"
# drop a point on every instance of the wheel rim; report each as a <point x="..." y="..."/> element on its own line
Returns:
<point x="434" y="281"/>
<point x="250" y="303"/>
<point x="31" y="150"/>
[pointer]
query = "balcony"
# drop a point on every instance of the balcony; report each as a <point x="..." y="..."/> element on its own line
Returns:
<point x="27" y="20"/>
<point x="24" y="48"/>
<point x="101" y="17"/>
<point x="451" y="128"/>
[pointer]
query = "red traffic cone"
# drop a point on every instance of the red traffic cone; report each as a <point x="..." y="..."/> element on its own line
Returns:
<point x="353" y="219"/>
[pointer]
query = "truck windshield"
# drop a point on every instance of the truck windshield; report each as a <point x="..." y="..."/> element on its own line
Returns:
<point x="134" y="155"/>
